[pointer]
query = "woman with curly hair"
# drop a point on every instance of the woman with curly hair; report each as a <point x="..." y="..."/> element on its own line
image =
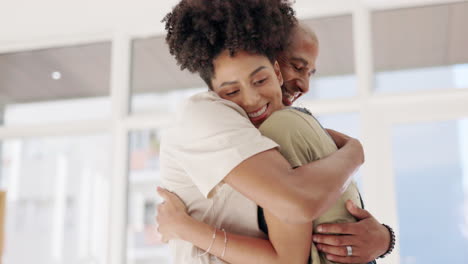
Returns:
<point x="233" y="46"/>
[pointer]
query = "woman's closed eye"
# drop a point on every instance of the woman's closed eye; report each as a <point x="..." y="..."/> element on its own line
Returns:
<point x="232" y="93"/>
<point x="260" y="82"/>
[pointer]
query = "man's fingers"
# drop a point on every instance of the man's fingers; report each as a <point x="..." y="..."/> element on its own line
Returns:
<point x="341" y="259"/>
<point x="337" y="251"/>
<point x="334" y="240"/>
<point x="356" y="211"/>
<point x="342" y="229"/>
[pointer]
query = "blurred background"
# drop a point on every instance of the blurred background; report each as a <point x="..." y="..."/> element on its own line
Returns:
<point x="86" y="87"/>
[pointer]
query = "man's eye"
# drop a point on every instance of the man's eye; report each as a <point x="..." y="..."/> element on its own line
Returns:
<point x="232" y="93"/>
<point x="297" y="68"/>
<point x="312" y="72"/>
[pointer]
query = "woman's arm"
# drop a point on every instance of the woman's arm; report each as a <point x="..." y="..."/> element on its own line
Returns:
<point x="263" y="177"/>
<point x="302" y="194"/>
<point x="290" y="244"/>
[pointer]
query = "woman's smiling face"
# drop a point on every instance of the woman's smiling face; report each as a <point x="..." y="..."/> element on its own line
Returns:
<point x="250" y="81"/>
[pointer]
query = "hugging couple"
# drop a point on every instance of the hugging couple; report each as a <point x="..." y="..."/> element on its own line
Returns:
<point x="247" y="177"/>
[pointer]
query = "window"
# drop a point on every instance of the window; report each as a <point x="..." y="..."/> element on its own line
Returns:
<point x="335" y="77"/>
<point x="420" y="48"/>
<point x="157" y="83"/>
<point x="430" y="164"/>
<point x="57" y="199"/>
<point x="55" y="85"/>
<point x="143" y="244"/>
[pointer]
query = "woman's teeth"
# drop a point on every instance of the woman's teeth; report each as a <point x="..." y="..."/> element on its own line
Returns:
<point x="258" y="113"/>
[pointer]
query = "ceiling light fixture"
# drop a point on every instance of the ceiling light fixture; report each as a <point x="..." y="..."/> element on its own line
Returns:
<point x="56" y="75"/>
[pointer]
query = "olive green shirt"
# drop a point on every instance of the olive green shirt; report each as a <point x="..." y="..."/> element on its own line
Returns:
<point x="302" y="139"/>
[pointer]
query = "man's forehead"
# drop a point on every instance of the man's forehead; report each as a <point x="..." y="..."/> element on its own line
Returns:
<point x="299" y="59"/>
<point x="303" y="38"/>
<point x="304" y="51"/>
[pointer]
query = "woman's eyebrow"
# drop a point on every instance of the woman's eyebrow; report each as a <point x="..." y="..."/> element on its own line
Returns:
<point x="250" y="75"/>
<point x="257" y="70"/>
<point x="227" y="83"/>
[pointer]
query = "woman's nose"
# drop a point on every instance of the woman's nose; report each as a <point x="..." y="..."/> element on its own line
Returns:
<point x="250" y="98"/>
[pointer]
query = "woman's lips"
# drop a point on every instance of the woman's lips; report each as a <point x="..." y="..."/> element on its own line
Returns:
<point x="259" y="114"/>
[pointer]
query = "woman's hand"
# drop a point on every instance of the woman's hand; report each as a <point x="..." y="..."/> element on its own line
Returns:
<point x="341" y="140"/>
<point x="172" y="215"/>
<point x="368" y="238"/>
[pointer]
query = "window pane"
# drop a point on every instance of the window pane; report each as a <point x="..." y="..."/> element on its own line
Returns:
<point x="57" y="199"/>
<point x="347" y="123"/>
<point x="157" y="83"/>
<point x="335" y="77"/>
<point x="329" y="87"/>
<point x="421" y="48"/>
<point x="57" y="84"/>
<point x="143" y="246"/>
<point x="165" y="102"/>
<point x="431" y="170"/>
<point x="420" y="79"/>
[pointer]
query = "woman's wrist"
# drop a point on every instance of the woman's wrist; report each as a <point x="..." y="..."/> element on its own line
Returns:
<point x="185" y="227"/>
<point x="353" y="153"/>
<point x="358" y="149"/>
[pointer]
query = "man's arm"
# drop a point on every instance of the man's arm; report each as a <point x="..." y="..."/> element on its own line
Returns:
<point x="370" y="238"/>
<point x="292" y="195"/>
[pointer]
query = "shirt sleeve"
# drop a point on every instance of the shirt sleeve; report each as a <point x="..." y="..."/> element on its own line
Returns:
<point x="300" y="137"/>
<point x="212" y="138"/>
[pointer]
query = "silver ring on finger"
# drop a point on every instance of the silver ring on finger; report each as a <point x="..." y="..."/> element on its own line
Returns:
<point x="349" y="251"/>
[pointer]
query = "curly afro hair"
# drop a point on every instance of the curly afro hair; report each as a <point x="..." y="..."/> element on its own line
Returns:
<point x="199" y="30"/>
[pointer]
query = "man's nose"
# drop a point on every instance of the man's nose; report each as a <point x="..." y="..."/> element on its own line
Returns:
<point x="303" y="84"/>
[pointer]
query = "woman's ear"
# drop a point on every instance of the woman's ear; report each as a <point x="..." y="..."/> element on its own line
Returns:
<point x="276" y="67"/>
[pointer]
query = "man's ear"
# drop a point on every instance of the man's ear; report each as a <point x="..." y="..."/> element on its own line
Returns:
<point x="276" y="67"/>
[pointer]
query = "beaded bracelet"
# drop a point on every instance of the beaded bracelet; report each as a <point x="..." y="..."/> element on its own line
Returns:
<point x="392" y="241"/>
